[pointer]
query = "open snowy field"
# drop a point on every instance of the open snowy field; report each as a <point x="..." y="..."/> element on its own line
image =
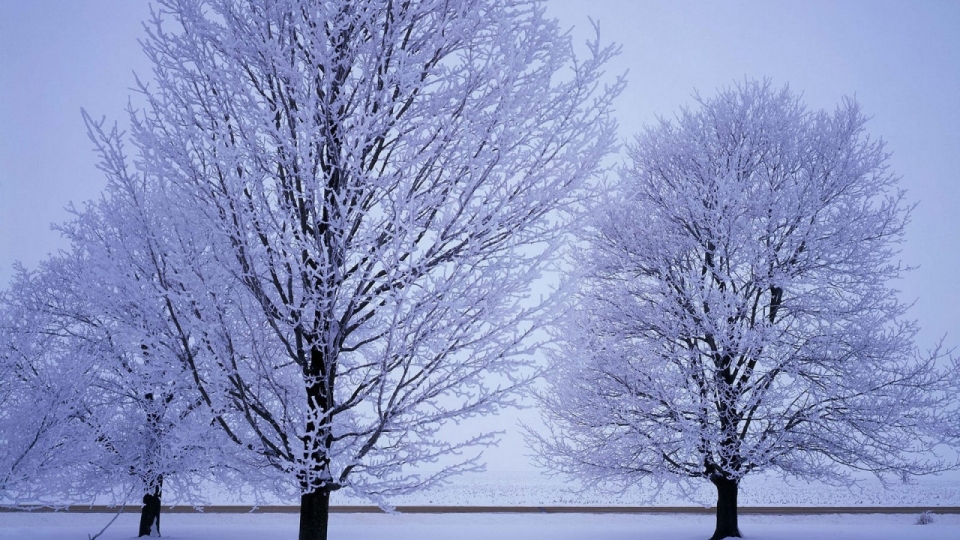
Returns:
<point x="63" y="526"/>
<point x="532" y="488"/>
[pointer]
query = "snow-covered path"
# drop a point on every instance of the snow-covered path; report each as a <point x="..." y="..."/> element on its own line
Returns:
<point x="61" y="526"/>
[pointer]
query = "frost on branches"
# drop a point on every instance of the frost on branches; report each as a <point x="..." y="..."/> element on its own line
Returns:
<point x="40" y="400"/>
<point x="96" y="360"/>
<point x="369" y="189"/>
<point x="735" y="312"/>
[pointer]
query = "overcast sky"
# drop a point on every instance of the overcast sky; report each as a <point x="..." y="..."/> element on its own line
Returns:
<point x="900" y="59"/>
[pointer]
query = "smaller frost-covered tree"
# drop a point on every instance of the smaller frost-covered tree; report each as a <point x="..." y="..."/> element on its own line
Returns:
<point x="96" y="406"/>
<point x="102" y="403"/>
<point x="735" y="314"/>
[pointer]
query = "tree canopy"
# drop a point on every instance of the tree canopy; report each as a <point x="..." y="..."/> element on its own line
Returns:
<point x="339" y="209"/>
<point x="736" y="311"/>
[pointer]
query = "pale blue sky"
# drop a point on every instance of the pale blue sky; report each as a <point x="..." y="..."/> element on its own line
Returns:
<point x="901" y="60"/>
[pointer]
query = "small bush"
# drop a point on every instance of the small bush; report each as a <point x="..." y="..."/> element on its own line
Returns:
<point x="925" y="518"/>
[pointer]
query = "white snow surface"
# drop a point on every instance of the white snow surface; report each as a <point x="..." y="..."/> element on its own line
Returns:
<point x="531" y="488"/>
<point x="61" y="526"/>
<point x="534" y="488"/>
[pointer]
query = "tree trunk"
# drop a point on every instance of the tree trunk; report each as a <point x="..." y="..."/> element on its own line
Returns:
<point x="150" y="514"/>
<point x="726" y="508"/>
<point x="314" y="514"/>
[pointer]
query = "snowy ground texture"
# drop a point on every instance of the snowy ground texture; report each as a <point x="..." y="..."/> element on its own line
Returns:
<point x="533" y="489"/>
<point x="536" y="489"/>
<point x="62" y="526"/>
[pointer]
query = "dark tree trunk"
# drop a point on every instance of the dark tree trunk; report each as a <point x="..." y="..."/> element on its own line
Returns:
<point x="150" y="514"/>
<point x="315" y="481"/>
<point x="726" y="508"/>
<point x="314" y="515"/>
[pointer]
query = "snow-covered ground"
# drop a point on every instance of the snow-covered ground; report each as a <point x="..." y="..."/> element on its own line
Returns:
<point x="532" y="488"/>
<point x="536" y="489"/>
<point x="62" y="526"/>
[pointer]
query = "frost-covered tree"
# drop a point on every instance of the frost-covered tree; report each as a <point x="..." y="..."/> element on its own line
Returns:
<point x="375" y="185"/>
<point x="735" y="312"/>
<point x="96" y="363"/>
<point x="142" y="402"/>
<point x="94" y="340"/>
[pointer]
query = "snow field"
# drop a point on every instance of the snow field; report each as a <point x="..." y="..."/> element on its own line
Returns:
<point x="532" y="488"/>
<point x="64" y="526"/>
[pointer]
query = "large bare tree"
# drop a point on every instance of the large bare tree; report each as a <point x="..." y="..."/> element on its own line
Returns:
<point x="735" y="311"/>
<point x="368" y="190"/>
